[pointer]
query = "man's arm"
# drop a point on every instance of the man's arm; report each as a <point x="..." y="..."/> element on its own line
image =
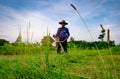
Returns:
<point x="68" y="33"/>
<point x="57" y="34"/>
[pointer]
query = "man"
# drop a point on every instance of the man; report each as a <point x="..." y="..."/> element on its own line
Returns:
<point x="63" y="34"/>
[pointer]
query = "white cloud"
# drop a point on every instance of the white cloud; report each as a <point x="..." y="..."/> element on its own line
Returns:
<point x="39" y="24"/>
<point x="48" y="17"/>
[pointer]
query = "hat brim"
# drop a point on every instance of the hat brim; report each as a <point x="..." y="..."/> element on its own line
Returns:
<point x="63" y="23"/>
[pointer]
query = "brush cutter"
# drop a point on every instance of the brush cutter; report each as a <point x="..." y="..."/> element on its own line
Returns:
<point x="57" y="40"/>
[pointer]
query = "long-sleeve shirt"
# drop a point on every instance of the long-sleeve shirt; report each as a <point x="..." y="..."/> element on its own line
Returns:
<point x="63" y="32"/>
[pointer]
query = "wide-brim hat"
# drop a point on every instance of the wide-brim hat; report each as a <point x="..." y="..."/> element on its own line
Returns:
<point x="63" y="22"/>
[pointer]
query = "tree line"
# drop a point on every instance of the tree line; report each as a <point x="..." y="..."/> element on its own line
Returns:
<point x="81" y="44"/>
<point x="90" y="45"/>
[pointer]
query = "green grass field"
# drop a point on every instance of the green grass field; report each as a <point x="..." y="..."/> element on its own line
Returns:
<point x="45" y="63"/>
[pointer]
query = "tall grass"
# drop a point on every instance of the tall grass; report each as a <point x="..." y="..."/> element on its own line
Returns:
<point x="47" y="50"/>
<point x="106" y="72"/>
<point x="83" y="64"/>
<point x="30" y="61"/>
<point x="113" y="63"/>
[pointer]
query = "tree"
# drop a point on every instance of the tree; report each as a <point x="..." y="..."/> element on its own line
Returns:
<point x="72" y="39"/>
<point x="47" y="40"/>
<point x="19" y="38"/>
<point x="3" y="41"/>
<point x="102" y="35"/>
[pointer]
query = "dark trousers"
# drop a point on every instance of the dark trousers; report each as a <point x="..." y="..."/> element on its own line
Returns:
<point x="64" y="45"/>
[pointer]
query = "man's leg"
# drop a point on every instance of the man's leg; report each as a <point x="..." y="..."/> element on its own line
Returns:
<point x="64" y="44"/>
<point x="58" y="49"/>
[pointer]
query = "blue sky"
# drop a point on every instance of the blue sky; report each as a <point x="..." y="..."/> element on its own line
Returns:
<point x="44" y="14"/>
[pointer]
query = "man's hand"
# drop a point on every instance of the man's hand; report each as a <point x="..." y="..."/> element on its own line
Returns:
<point x="64" y="40"/>
<point x="54" y="36"/>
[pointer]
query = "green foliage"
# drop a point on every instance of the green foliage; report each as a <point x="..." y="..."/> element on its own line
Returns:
<point x="90" y="45"/>
<point x="22" y="48"/>
<point x="19" y="67"/>
<point x="32" y="61"/>
<point x="78" y="64"/>
<point x="3" y="41"/>
<point x="116" y="50"/>
<point x="72" y="39"/>
<point x="45" y="40"/>
<point x="102" y="35"/>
